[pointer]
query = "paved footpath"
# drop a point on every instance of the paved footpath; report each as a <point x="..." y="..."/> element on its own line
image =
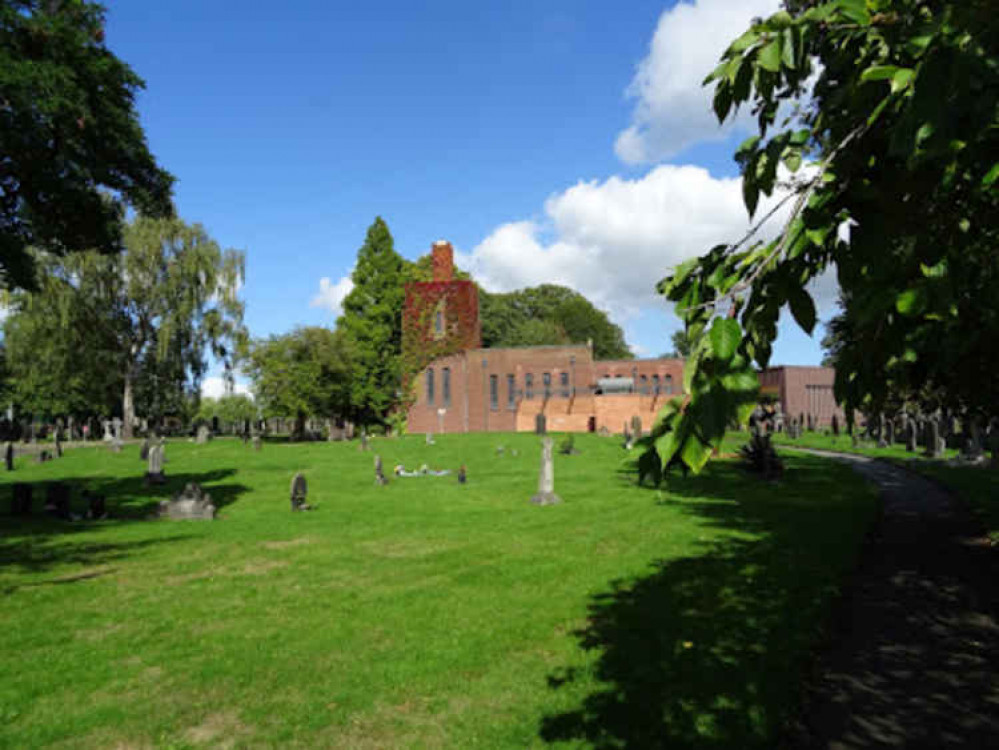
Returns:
<point x="913" y="658"/>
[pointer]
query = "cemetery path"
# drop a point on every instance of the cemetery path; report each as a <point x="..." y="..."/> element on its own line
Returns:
<point x="913" y="657"/>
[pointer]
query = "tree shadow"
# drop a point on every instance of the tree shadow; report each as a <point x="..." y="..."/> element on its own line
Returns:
<point x="709" y="651"/>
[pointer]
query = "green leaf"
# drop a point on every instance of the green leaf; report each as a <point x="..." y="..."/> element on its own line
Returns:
<point x="695" y="453"/>
<point x="787" y="56"/>
<point x="743" y="381"/>
<point x="748" y="146"/>
<point x="803" y="309"/>
<point x="725" y="337"/>
<point x="918" y="44"/>
<point x="744" y="42"/>
<point x="666" y="446"/>
<point x="856" y="11"/>
<point x="769" y="56"/>
<point x="934" y="272"/>
<point x="911" y="302"/>
<point x="878" y="73"/>
<point x="991" y="176"/>
<point x="750" y="193"/>
<point x="793" y="160"/>
<point x="723" y="100"/>
<point x="902" y="79"/>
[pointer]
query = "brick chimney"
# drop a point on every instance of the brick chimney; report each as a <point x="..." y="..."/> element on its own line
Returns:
<point x="443" y="260"/>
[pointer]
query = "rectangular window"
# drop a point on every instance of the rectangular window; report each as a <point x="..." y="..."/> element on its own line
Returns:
<point x="655" y="384"/>
<point x="564" y="381"/>
<point x="447" y="386"/>
<point x="494" y="392"/>
<point x="529" y="385"/>
<point x="430" y="385"/>
<point x="511" y="392"/>
<point x="645" y="384"/>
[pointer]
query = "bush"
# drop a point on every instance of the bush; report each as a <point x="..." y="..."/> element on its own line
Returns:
<point x="759" y="457"/>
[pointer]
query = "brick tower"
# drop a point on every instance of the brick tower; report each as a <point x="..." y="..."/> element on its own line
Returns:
<point x="440" y="316"/>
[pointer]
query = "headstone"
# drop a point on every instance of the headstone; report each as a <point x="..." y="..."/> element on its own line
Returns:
<point x="636" y="426"/>
<point x="811" y="423"/>
<point x="57" y="500"/>
<point x="835" y="425"/>
<point x="192" y="504"/>
<point x="364" y="439"/>
<point x="933" y="438"/>
<point x="546" y="477"/>
<point x="903" y="424"/>
<point x="43" y="457"/>
<point x="21" y="503"/>
<point x="8" y="456"/>
<point x="540" y="424"/>
<point x="256" y="442"/>
<point x="299" y="492"/>
<point x="154" y="474"/>
<point x="95" y="506"/>
<point x="116" y="424"/>
<point x="882" y="432"/>
<point x="144" y="450"/>
<point x="204" y="434"/>
<point x="462" y="475"/>
<point x="801" y="420"/>
<point x="379" y="472"/>
<point x="910" y="437"/>
<point x="429" y="438"/>
<point x="58" y="443"/>
<point x="115" y="446"/>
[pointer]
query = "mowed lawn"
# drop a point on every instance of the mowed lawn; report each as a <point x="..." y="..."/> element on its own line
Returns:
<point x="424" y="613"/>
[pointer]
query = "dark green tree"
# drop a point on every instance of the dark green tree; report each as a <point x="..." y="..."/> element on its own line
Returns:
<point x="372" y="322"/>
<point x="72" y="150"/>
<point x="901" y="135"/>
<point x="302" y="374"/>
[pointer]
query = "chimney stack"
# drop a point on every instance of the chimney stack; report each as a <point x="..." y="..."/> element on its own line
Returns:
<point x="442" y="255"/>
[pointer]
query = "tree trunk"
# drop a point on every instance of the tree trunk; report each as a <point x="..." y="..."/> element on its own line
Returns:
<point x="127" y="408"/>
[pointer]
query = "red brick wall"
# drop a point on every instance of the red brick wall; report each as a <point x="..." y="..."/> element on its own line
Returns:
<point x="805" y="390"/>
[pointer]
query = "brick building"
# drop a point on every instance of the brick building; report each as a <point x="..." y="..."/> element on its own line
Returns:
<point x="467" y="388"/>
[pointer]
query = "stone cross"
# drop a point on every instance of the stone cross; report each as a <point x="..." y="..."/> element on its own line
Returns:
<point x="546" y="477"/>
<point x="8" y="455"/>
<point x="379" y="472"/>
<point x="299" y="492"/>
<point x="540" y="425"/>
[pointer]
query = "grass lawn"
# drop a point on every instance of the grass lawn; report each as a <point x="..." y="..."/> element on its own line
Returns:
<point x="422" y="614"/>
<point x="977" y="486"/>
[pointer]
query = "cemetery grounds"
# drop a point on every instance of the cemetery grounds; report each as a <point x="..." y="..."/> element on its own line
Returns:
<point x="421" y="614"/>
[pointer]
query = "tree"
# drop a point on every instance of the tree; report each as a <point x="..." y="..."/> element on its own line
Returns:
<point x="372" y="322"/>
<point x="233" y="409"/>
<point x="143" y="318"/>
<point x="900" y="136"/>
<point x="72" y="150"/>
<point x="682" y="345"/>
<point x="549" y="314"/>
<point x="305" y="373"/>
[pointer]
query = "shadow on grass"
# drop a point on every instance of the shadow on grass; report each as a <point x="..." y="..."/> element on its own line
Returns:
<point x="709" y="651"/>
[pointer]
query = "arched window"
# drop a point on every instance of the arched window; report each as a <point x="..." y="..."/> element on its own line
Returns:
<point x="439" y="323"/>
<point x="430" y="385"/>
<point x="529" y="385"/>
<point x="655" y="384"/>
<point x="668" y="383"/>
<point x="645" y="383"/>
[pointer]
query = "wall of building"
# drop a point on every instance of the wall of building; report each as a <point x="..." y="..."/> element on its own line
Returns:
<point x="805" y="390"/>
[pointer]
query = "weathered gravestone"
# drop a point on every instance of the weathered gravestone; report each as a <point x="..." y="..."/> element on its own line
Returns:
<point x="835" y="425"/>
<point x="882" y="431"/>
<point x="57" y="500"/>
<point x="299" y="493"/>
<point x="204" y="434"/>
<point x="256" y="442"/>
<point x="429" y="438"/>
<point x="546" y="477"/>
<point x="21" y="502"/>
<point x="43" y="457"/>
<point x="890" y="432"/>
<point x="144" y="450"/>
<point x="500" y="450"/>
<point x="8" y="456"/>
<point x="193" y="504"/>
<point x="910" y="437"/>
<point x="364" y="439"/>
<point x="58" y="442"/>
<point x="154" y="473"/>
<point x="379" y="472"/>
<point x="636" y="426"/>
<point x="540" y="425"/>
<point x="933" y="449"/>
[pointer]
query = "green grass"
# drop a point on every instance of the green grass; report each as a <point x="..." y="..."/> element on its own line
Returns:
<point x="844" y="444"/>
<point x="425" y="613"/>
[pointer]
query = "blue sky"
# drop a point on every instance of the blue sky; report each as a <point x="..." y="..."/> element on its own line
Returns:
<point x="559" y="141"/>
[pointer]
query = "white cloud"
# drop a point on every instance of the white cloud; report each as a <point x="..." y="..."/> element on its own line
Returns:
<point x="331" y="295"/>
<point x="214" y="387"/>
<point x="673" y="109"/>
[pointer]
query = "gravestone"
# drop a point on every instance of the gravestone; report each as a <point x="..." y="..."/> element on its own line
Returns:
<point x="299" y="492"/>
<point x="58" y="443"/>
<point x="154" y="474"/>
<point x="115" y="446"/>
<point x="933" y="438"/>
<point x="364" y="439"/>
<point x="204" y="435"/>
<point x="854" y="441"/>
<point x="8" y="456"/>
<point x="462" y="475"/>
<point x="546" y="477"/>
<point x="379" y="472"/>
<point x="144" y="450"/>
<point x="57" y="500"/>
<point x="636" y="426"/>
<point x="903" y="425"/>
<point x="910" y="438"/>
<point x="429" y="438"/>
<point x="499" y="450"/>
<point x="881" y="432"/>
<point x="95" y="505"/>
<point x="21" y="502"/>
<point x="540" y="425"/>
<point x="835" y="425"/>
<point x="43" y="457"/>
<point x="116" y="425"/>
<point x="193" y="504"/>
<point x="256" y="442"/>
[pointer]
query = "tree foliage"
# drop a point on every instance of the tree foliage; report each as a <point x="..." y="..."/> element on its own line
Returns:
<point x="372" y="322"/>
<point x="232" y="409"/>
<point x="900" y="136"/>
<point x="305" y="373"/>
<point x="137" y="324"/>
<point x="72" y="150"/>
<point x="549" y="314"/>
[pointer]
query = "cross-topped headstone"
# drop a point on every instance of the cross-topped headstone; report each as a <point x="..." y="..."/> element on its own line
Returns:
<point x="546" y="477"/>
<point x="299" y="492"/>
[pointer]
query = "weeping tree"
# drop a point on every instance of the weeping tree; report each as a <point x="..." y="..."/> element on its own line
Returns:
<point x="141" y="322"/>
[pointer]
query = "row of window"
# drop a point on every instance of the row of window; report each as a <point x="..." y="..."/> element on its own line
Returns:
<point x="665" y="386"/>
